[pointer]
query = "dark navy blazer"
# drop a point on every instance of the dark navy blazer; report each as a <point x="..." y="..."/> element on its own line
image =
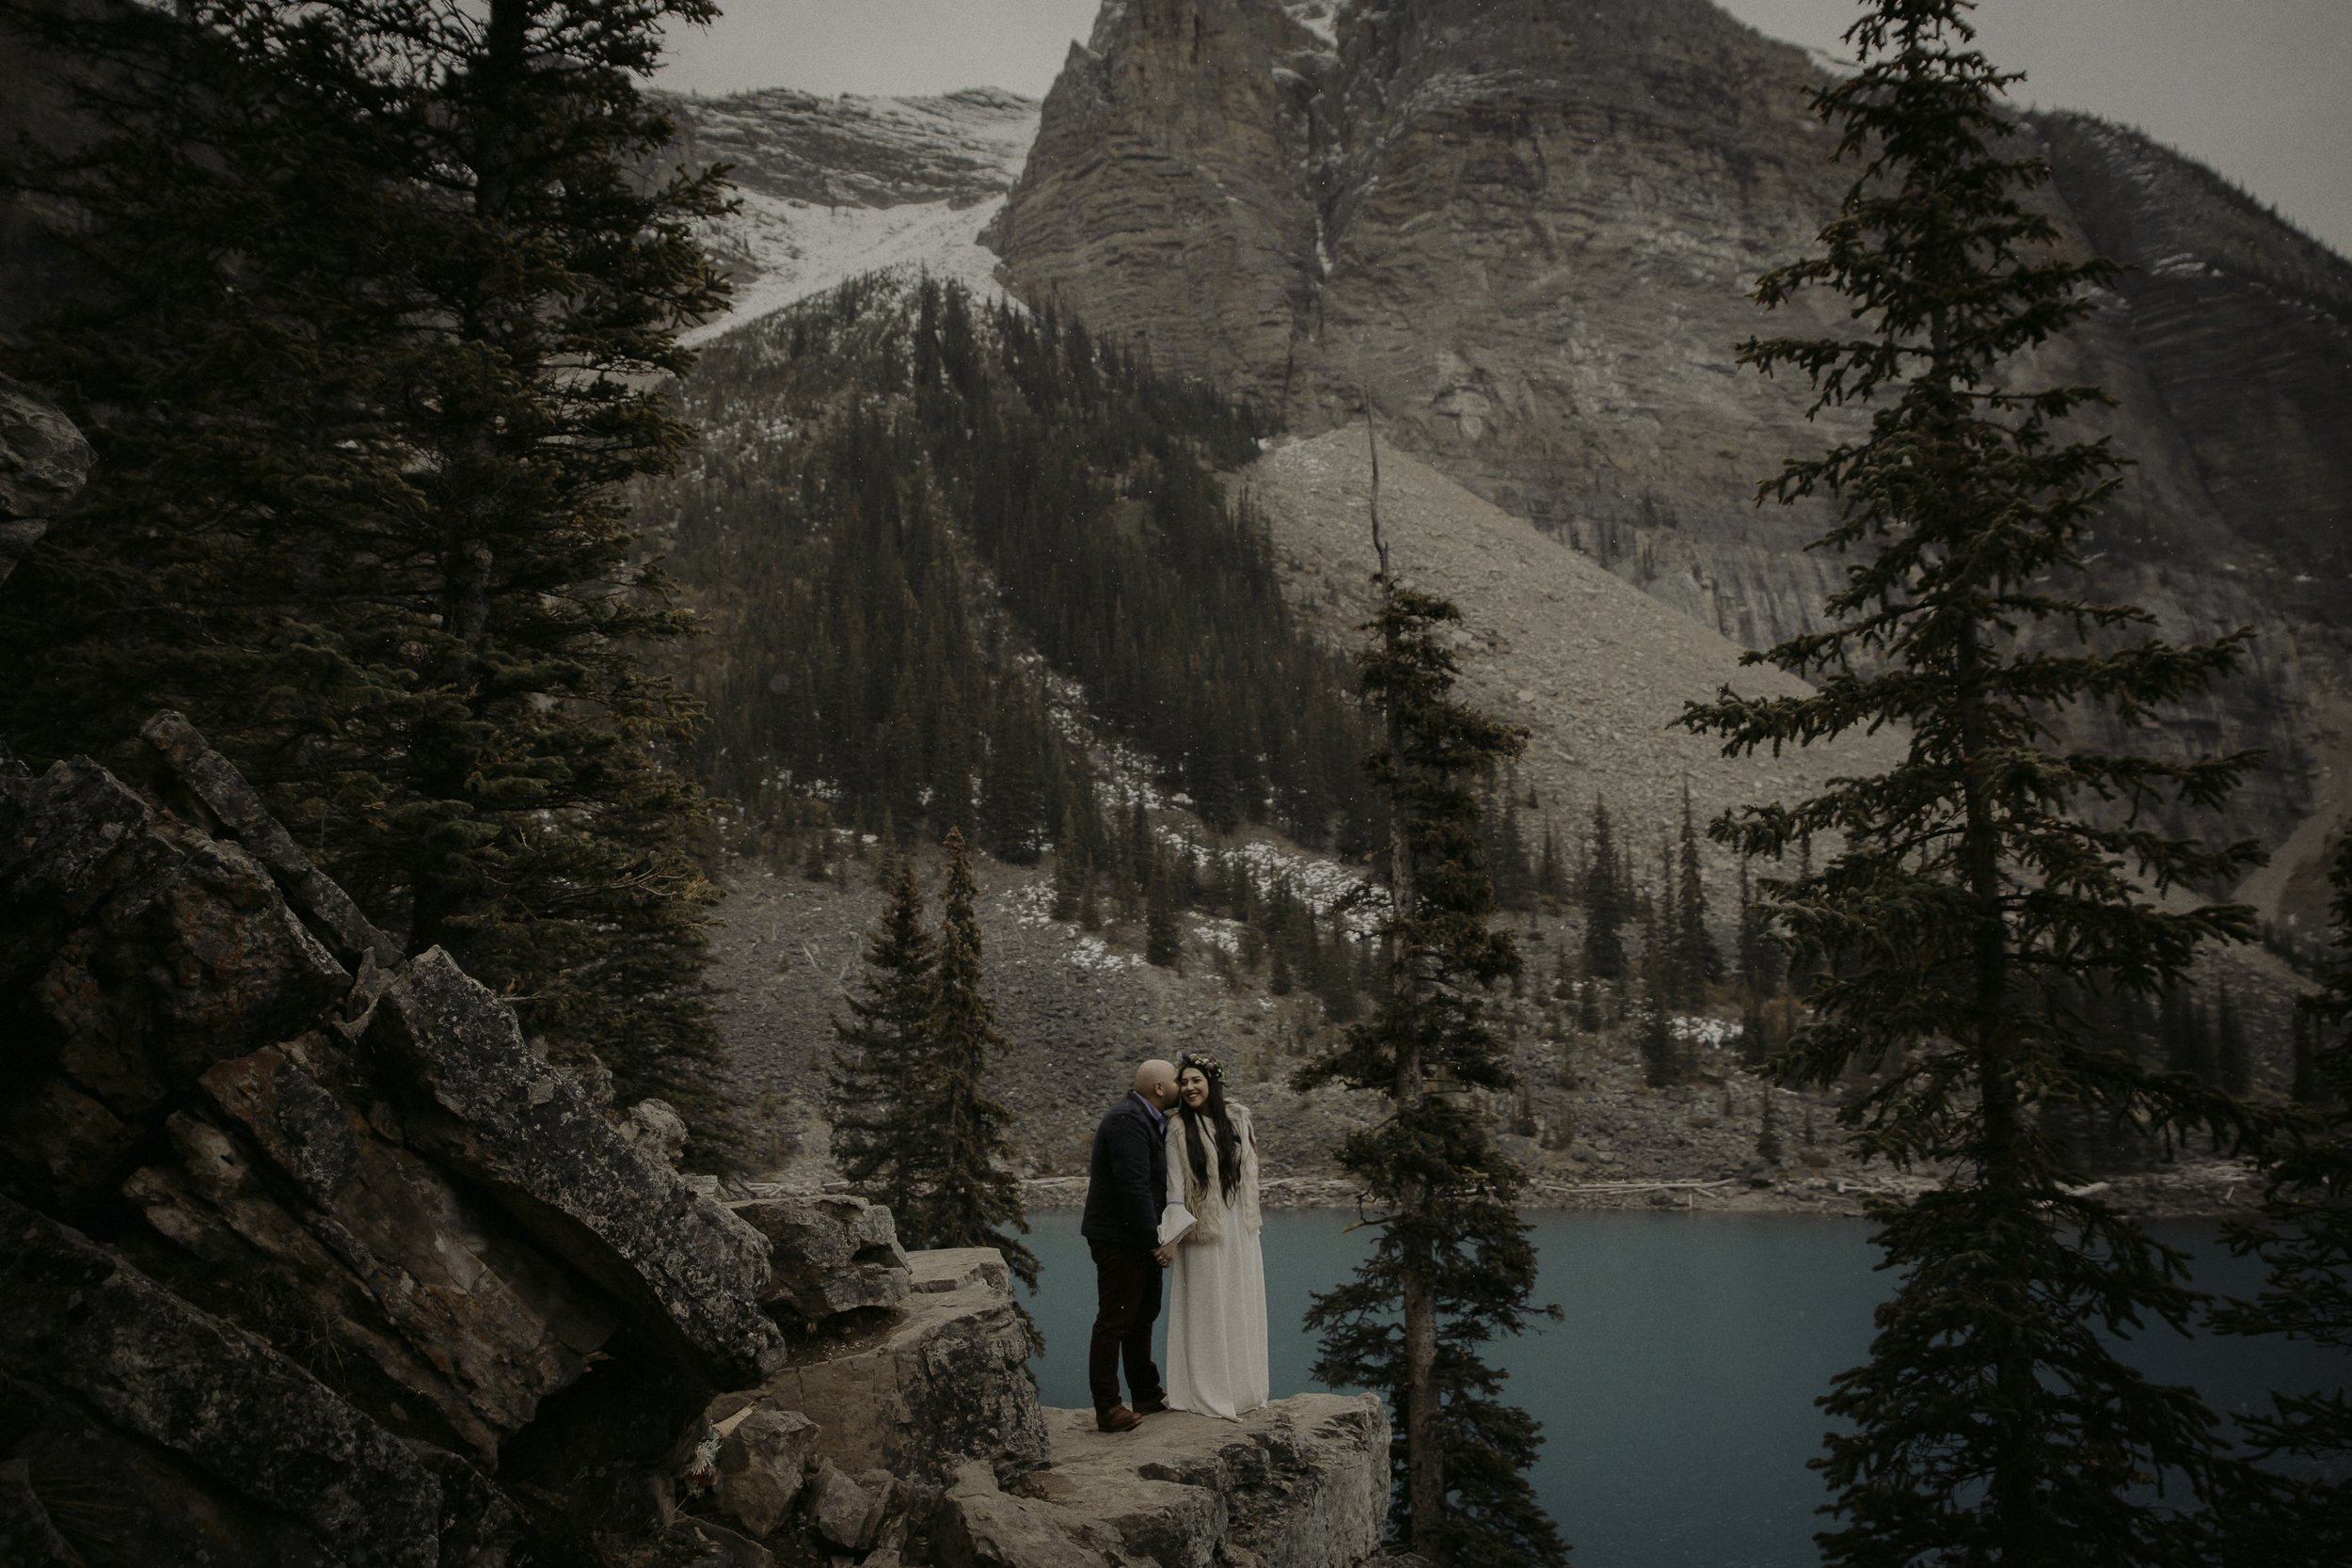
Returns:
<point x="1127" y="1178"/>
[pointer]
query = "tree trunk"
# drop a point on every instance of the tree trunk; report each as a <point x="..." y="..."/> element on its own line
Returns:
<point x="2018" y="1392"/>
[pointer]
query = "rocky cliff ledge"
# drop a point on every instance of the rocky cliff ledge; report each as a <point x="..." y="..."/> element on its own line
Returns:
<point x="309" y="1256"/>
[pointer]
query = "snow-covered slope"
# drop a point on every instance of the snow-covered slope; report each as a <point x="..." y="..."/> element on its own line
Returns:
<point x="833" y="187"/>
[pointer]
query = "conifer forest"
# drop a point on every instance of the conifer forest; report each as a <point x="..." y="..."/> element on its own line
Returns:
<point x="625" y="709"/>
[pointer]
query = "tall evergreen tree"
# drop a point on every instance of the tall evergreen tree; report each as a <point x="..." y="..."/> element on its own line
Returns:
<point x="2303" y="1518"/>
<point x="1452" y="1266"/>
<point x="1607" y="893"/>
<point x="1697" y="961"/>
<point x="1972" y="889"/>
<point x="1551" y="873"/>
<point x="880" y="1131"/>
<point x="1161" y="937"/>
<point x="968" y="1197"/>
<point x="375" y="306"/>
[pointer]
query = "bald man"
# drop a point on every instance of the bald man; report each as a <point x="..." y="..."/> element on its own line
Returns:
<point x="1126" y="1189"/>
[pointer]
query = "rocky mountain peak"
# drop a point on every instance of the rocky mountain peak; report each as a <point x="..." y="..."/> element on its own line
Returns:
<point x="1527" y="234"/>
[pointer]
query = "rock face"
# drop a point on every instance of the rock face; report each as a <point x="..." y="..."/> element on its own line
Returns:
<point x="301" y="1240"/>
<point x="310" y="1258"/>
<point x="1299" y="1483"/>
<point x="42" y="459"/>
<point x="835" y="1254"/>
<point x="1527" y="231"/>
<point x="942" y="1381"/>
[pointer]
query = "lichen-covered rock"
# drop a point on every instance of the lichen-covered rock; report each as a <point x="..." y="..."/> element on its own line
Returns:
<point x="42" y="461"/>
<point x="449" y="1300"/>
<point x="655" y="1129"/>
<point x="956" y="1268"/>
<point x="212" y="1397"/>
<point x="135" y="952"/>
<point x="1302" y="1482"/>
<point x="233" y="803"/>
<point x="399" y="1282"/>
<point x="523" y="1131"/>
<point x="946" y="1381"/>
<point x="829" y="1254"/>
<point x="844" y="1512"/>
<point x="763" y="1462"/>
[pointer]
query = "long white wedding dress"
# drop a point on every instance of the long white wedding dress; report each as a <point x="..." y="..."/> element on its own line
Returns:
<point x="1216" y="1329"/>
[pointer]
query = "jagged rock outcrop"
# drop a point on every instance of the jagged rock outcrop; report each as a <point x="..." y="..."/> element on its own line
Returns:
<point x="306" y="1247"/>
<point x="311" y="1259"/>
<point x="1299" y="1483"/>
<point x="940" y="1382"/>
<point x="43" y="461"/>
<point x="835" y="1254"/>
<point x="1528" y="232"/>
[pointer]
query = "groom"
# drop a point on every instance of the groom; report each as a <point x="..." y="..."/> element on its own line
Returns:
<point x="1126" y="1189"/>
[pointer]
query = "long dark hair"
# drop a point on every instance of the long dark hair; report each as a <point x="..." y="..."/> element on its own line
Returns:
<point x="1227" y="1141"/>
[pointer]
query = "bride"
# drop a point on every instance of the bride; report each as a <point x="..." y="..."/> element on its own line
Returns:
<point x="1217" y="1331"/>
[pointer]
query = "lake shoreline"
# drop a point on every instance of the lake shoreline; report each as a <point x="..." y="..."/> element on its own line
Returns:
<point x="2206" y="1190"/>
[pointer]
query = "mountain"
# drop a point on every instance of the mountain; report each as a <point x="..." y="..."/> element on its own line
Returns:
<point x="1526" y="232"/>
<point x="827" y="188"/>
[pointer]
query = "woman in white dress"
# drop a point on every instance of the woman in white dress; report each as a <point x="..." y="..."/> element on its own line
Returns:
<point x="1216" y="1334"/>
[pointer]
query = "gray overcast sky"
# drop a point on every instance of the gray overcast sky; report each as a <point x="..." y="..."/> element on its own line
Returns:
<point x="2259" y="89"/>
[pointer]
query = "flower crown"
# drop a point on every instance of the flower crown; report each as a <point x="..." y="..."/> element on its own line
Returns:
<point x="1210" y="1068"/>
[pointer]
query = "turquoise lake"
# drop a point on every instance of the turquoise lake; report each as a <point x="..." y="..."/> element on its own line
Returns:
<point x="1677" y="1393"/>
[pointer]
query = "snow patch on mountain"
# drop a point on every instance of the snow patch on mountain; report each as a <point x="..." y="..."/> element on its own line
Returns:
<point x="829" y="188"/>
<point x="782" y="252"/>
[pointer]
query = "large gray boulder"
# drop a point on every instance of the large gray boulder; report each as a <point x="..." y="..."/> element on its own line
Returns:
<point x="1302" y="1482"/>
<point x="523" y="1130"/>
<point x="946" y="1381"/>
<point x="829" y="1254"/>
<point x="42" y="461"/>
<point x="763" y="1462"/>
<point x="447" y="1298"/>
<point x="211" y="1399"/>
<point x="370" y="1267"/>
<point x="135" y="951"/>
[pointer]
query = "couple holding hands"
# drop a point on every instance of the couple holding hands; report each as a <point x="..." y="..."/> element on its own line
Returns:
<point x="1173" y="1185"/>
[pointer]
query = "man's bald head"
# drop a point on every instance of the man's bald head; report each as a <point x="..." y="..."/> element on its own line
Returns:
<point x="1155" y="1080"/>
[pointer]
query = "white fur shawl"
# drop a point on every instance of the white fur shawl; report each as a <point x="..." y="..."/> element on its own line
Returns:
<point x="1208" y="1205"/>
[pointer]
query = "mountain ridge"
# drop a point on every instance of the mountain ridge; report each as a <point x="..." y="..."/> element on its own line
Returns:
<point x="1527" y="235"/>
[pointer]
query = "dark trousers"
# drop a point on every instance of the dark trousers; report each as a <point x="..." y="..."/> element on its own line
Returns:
<point x="1126" y="1305"/>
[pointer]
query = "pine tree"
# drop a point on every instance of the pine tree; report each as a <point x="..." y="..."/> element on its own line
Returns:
<point x="878" y="1133"/>
<point x="1551" y="875"/>
<point x="967" y="1195"/>
<point x="1662" y="1058"/>
<point x="2233" y="1067"/>
<point x="1696" y="960"/>
<point x="1606" y="893"/>
<point x="378" y="304"/>
<point x="1072" y="880"/>
<point x="1971" y="885"/>
<point x="1452" y="1266"/>
<point x="1161" y="938"/>
<point x="2302" y="1517"/>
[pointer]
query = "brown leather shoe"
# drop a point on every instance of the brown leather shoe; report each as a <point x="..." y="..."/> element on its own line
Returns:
<point x="1151" y="1407"/>
<point x="1117" y="1419"/>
